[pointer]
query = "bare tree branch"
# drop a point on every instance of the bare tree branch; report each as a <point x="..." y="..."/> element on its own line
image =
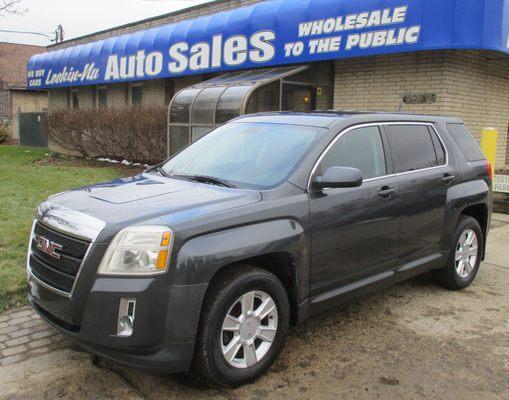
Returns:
<point x="11" y="7"/>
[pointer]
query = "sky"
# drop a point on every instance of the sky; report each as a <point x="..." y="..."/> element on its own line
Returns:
<point x="81" y="17"/>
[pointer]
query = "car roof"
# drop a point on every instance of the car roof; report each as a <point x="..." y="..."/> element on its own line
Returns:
<point x="326" y="119"/>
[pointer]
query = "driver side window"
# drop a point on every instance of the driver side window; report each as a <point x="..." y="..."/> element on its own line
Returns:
<point x="361" y="148"/>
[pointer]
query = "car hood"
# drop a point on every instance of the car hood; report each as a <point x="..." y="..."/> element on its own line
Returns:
<point x="144" y="197"/>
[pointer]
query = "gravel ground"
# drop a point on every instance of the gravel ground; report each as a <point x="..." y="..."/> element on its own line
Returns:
<point x="414" y="340"/>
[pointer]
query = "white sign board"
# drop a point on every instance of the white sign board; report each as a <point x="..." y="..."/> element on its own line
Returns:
<point x="501" y="183"/>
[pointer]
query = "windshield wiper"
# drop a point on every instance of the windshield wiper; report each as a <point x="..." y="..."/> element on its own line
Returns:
<point x="161" y="171"/>
<point x="206" y="179"/>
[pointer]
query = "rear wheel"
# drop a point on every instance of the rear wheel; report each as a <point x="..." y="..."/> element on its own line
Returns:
<point x="465" y="256"/>
<point x="243" y="326"/>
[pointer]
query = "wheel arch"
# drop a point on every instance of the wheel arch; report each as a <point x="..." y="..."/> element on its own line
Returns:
<point x="278" y="246"/>
<point x="480" y="213"/>
<point x="282" y="265"/>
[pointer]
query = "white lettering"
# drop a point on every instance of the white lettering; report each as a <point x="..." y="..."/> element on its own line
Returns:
<point x="317" y="27"/>
<point x="112" y="68"/>
<point x="180" y="62"/>
<point x="374" y="19"/>
<point x="329" y="25"/>
<point x="200" y="56"/>
<point x="217" y="51"/>
<point x="154" y="63"/>
<point x="325" y="45"/>
<point x="263" y="50"/>
<point x="350" y="21"/>
<point x="379" y="38"/>
<point x="362" y="20"/>
<point x="235" y="50"/>
<point x="388" y="37"/>
<point x="399" y="15"/>
<point x="140" y="61"/>
<point x="127" y="67"/>
<point x="386" y="17"/>
<point x="352" y="41"/>
<point x="365" y="19"/>
<point x="305" y="29"/>
<point x="294" y="49"/>
<point x="412" y="34"/>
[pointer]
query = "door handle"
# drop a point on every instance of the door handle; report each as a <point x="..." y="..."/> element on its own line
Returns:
<point x="387" y="191"/>
<point x="448" y="178"/>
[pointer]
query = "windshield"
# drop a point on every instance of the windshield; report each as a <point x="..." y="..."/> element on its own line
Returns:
<point x="245" y="155"/>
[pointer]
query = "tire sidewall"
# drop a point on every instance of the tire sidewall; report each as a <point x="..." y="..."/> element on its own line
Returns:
<point x="260" y="282"/>
<point x="466" y="223"/>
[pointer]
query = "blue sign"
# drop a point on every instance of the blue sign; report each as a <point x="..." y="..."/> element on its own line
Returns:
<point x="274" y="33"/>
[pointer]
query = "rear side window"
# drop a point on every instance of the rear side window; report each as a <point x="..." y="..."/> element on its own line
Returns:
<point x="412" y="147"/>
<point x="466" y="142"/>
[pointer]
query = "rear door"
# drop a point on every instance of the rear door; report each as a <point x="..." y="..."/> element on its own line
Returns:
<point x="354" y="231"/>
<point x="421" y="163"/>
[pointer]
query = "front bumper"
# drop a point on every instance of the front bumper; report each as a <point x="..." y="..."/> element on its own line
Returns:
<point x="166" y="357"/>
<point x="164" y="326"/>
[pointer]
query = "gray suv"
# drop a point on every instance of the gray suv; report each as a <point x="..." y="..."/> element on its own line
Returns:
<point x="203" y="262"/>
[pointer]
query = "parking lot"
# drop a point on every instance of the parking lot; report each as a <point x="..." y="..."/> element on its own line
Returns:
<point x="415" y="340"/>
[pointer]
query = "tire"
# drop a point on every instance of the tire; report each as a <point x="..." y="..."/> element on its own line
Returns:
<point x="228" y="294"/>
<point x="454" y="276"/>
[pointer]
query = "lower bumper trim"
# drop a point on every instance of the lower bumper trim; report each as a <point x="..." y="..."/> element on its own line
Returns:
<point x="168" y="357"/>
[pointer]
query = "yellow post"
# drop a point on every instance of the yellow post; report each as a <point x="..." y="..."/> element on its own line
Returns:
<point x="489" y="146"/>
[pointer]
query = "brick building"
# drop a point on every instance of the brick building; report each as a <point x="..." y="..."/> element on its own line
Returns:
<point x="441" y="62"/>
<point x="14" y="95"/>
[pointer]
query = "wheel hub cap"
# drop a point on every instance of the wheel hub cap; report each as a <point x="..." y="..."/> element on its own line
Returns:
<point x="249" y="329"/>
<point x="466" y="253"/>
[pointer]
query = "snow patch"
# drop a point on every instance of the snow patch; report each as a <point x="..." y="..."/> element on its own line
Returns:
<point x="123" y="162"/>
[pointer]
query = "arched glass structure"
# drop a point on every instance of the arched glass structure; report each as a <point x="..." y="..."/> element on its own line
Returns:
<point x="198" y="109"/>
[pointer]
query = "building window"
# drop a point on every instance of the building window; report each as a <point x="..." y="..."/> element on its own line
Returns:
<point x="102" y="97"/>
<point x="75" y="100"/>
<point x="136" y="94"/>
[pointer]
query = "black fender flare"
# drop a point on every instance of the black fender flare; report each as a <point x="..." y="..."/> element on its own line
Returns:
<point x="459" y="198"/>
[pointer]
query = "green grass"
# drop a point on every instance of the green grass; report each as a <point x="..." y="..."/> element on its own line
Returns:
<point x="24" y="183"/>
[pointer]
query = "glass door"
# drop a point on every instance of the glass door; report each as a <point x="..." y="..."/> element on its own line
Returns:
<point x="300" y="98"/>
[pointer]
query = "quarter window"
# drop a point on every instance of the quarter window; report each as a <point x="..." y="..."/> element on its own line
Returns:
<point x="466" y="142"/>
<point x="412" y="147"/>
<point x="360" y="148"/>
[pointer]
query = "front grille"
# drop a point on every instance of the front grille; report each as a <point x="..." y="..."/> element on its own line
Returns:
<point x="58" y="273"/>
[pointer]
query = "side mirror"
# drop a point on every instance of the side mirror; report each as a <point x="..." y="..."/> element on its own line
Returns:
<point x="338" y="177"/>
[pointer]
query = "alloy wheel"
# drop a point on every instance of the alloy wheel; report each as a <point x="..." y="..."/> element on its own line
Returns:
<point x="249" y="329"/>
<point x="466" y="253"/>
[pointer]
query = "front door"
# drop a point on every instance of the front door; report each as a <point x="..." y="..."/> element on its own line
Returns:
<point x="355" y="231"/>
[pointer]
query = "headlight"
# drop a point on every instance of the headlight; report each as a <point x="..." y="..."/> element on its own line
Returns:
<point x="138" y="250"/>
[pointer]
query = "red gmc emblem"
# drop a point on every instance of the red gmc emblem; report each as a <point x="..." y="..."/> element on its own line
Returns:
<point x="48" y="247"/>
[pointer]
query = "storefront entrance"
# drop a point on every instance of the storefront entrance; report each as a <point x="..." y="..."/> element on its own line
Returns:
<point x="299" y="98"/>
<point x="198" y="109"/>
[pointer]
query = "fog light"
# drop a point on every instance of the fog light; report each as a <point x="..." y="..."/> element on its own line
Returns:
<point x="125" y="323"/>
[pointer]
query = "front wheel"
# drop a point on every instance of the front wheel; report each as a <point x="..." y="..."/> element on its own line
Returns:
<point x="243" y="326"/>
<point x="465" y="256"/>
